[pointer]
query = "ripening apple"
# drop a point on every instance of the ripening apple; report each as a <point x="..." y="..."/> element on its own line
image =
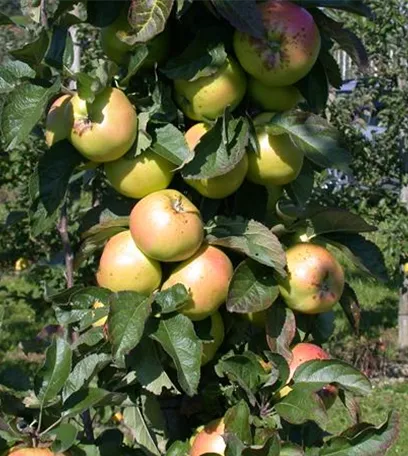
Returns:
<point x="105" y="129"/>
<point x="58" y="123"/>
<point x="315" y="279"/>
<point x="209" y="439"/>
<point x="136" y="177"/>
<point x="217" y="333"/>
<point x="279" y="160"/>
<point x="275" y="99"/>
<point x="307" y="352"/>
<point x="124" y="267"/>
<point x="33" y="452"/>
<point x="288" y="51"/>
<point x="208" y="96"/>
<point x="207" y="276"/>
<point x="216" y="187"/>
<point x="119" y="51"/>
<point x="166" y="226"/>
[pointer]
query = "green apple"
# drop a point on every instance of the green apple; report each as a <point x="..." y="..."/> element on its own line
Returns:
<point x="276" y="99"/>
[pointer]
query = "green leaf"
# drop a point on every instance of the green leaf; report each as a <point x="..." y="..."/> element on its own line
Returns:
<point x="172" y="299"/>
<point x="345" y="38"/>
<point x="52" y="376"/>
<point x="315" y="137"/>
<point x="137" y="57"/>
<point x="65" y="435"/>
<point x="169" y="142"/>
<point x="49" y="183"/>
<point x="148" y="18"/>
<point x="323" y="326"/>
<point x="11" y="74"/>
<point x="280" y="329"/>
<point x="149" y="368"/>
<point x="253" y="288"/>
<point x="5" y="20"/>
<point x="254" y="207"/>
<point x="23" y="109"/>
<point x="177" y="337"/>
<point x="244" y="16"/>
<point x="315" y="88"/>
<point x="140" y="431"/>
<point x="127" y="317"/>
<point x="333" y="371"/>
<point x="82" y="400"/>
<point x="245" y="370"/>
<point x="290" y="449"/>
<point x="303" y="404"/>
<point x="219" y="150"/>
<point x="271" y="447"/>
<point x="364" y="439"/>
<point x="56" y="49"/>
<point x="178" y="448"/>
<point x="331" y="67"/>
<point x="364" y="253"/>
<point x="351" y="307"/>
<point x="335" y="219"/>
<point x="301" y="188"/>
<point x="34" y="52"/>
<point x="250" y="238"/>
<point x="92" y="243"/>
<point x="86" y="297"/>
<point x="84" y="371"/>
<point x="236" y="420"/>
<point x="203" y="56"/>
<point x="352" y="6"/>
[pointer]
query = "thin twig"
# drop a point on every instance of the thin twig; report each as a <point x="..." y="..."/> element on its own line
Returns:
<point x="51" y="427"/>
<point x="86" y="419"/>
<point x="43" y="14"/>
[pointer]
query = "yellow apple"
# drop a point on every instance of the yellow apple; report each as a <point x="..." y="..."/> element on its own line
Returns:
<point x="139" y="176"/>
<point x="208" y="96"/>
<point x="58" y="123"/>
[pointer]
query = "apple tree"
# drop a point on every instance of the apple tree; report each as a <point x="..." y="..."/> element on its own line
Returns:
<point x="200" y="279"/>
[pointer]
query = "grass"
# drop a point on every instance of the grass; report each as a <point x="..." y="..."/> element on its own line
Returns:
<point x="375" y="409"/>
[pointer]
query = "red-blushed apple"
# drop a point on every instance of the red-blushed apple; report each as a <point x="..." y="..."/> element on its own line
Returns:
<point x="120" y="52"/>
<point x="167" y="226"/>
<point x="123" y="266"/>
<point x="209" y="439"/>
<point x="315" y="280"/>
<point x="208" y="96"/>
<point x="136" y="177"/>
<point x="221" y="186"/>
<point x="279" y="160"/>
<point x="207" y="276"/>
<point x="58" y="123"/>
<point x="307" y="352"/>
<point x="105" y="129"/>
<point x="275" y="99"/>
<point x="217" y="333"/>
<point x="289" y="50"/>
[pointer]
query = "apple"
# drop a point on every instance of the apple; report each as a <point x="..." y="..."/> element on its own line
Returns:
<point x="288" y="51"/>
<point x="124" y="267"/>
<point x="307" y="352"/>
<point x="106" y="129"/>
<point x="278" y="162"/>
<point x="315" y="279"/>
<point x="209" y="439"/>
<point x="207" y="276"/>
<point x="119" y="51"/>
<point x="216" y="187"/>
<point x="166" y="226"/>
<point x="33" y="452"/>
<point x="139" y="176"/>
<point x="208" y="96"/>
<point x="217" y="333"/>
<point x="57" y="123"/>
<point x="276" y="99"/>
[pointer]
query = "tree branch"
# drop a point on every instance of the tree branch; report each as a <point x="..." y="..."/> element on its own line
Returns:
<point x="68" y="255"/>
